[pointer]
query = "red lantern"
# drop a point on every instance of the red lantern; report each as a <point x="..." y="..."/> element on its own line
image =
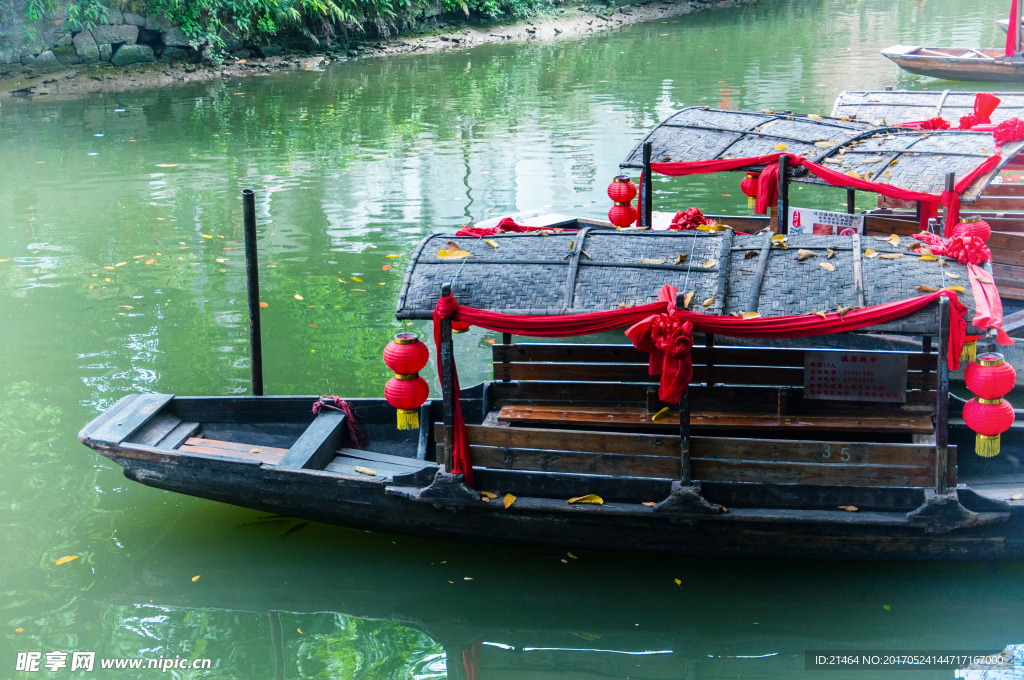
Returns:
<point x="622" y="189"/>
<point x="973" y="226"/>
<point x="407" y="391"/>
<point x="988" y="414"/>
<point x="622" y="214"/>
<point x="460" y="326"/>
<point x="749" y="187"/>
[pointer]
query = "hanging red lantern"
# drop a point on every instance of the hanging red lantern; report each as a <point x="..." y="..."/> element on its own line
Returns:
<point x="749" y="187"/>
<point x="407" y="391"/>
<point x="622" y="214"/>
<point x="975" y="227"/>
<point x="460" y="326"/>
<point x="988" y="414"/>
<point x="622" y="189"/>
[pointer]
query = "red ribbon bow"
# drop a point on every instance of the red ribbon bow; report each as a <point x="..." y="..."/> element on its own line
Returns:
<point x="668" y="339"/>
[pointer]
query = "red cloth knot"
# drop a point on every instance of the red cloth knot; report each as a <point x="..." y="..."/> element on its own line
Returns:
<point x="968" y="250"/>
<point x="446" y="307"/>
<point x="671" y="334"/>
<point x="1010" y="130"/>
<point x="685" y="220"/>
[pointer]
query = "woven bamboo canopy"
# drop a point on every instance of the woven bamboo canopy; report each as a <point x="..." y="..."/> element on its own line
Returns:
<point x="901" y="106"/>
<point x="600" y="269"/>
<point x="912" y="160"/>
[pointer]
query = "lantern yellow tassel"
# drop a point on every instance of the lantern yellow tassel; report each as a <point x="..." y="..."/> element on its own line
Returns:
<point x="751" y="202"/>
<point x="408" y="419"/>
<point x="985" y="446"/>
<point x="969" y="352"/>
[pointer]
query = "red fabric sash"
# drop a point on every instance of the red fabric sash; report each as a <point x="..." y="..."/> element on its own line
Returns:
<point x="801" y="326"/>
<point x="1012" y="30"/>
<point x="668" y="339"/>
<point x="506" y="225"/>
<point x="768" y="182"/>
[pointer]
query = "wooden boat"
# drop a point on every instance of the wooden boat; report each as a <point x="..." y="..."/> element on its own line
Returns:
<point x="985" y="64"/>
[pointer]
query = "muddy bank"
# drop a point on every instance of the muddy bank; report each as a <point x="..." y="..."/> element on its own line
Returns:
<point x="565" y="21"/>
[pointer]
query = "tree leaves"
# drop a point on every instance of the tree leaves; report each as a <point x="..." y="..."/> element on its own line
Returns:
<point x="587" y="499"/>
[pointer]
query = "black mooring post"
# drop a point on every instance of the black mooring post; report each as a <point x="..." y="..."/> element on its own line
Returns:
<point x="950" y="186"/>
<point x="782" y="219"/>
<point x="917" y="217"/>
<point x="942" y="401"/>
<point x="851" y="201"/>
<point x="647" y="209"/>
<point x="447" y="382"/>
<point x="252" y="286"/>
<point x="684" y="419"/>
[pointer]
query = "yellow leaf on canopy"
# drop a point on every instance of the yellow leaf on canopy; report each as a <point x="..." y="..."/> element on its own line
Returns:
<point x="650" y="504"/>
<point x="958" y="289"/>
<point x="710" y="301"/>
<point x="365" y="471"/>
<point x="870" y="253"/>
<point x="751" y="315"/>
<point x="67" y="559"/>
<point x="489" y="494"/>
<point x="927" y="289"/>
<point x="490" y="242"/>
<point x="827" y="267"/>
<point x="849" y="508"/>
<point x="781" y="147"/>
<point x="688" y="299"/>
<point x="660" y="415"/>
<point x="509" y="500"/>
<point x="298" y="297"/>
<point x="708" y="264"/>
<point x="824" y="145"/>
<point x="779" y="238"/>
<point x="822" y="314"/>
<point x="831" y="253"/>
<point x="453" y="254"/>
<point x="803" y="254"/>
<point x="588" y="499"/>
<point x="891" y="256"/>
<point x="749" y="254"/>
<point x="952" y="275"/>
<point x="1017" y="496"/>
<point x="929" y="258"/>
<point x="681" y="258"/>
<point x="646" y="261"/>
<point x="894" y="239"/>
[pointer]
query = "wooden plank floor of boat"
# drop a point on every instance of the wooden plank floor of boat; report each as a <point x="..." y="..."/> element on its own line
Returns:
<point x="618" y="416"/>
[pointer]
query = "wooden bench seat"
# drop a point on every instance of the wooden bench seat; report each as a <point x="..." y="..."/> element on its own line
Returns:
<point x="639" y="417"/>
<point x="216" y="447"/>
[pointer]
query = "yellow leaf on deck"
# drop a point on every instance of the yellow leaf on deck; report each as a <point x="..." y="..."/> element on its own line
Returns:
<point x="1017" y="496"/>
<point x="894" y="239"/>
<point x="646" y="261"/>
<point x="491" y="243"/>
<point x="650" y="504"/>
<point x="781" y="147"/>
<point x="831" y="253"/>
<point x="509" y="500"/>
<point x="848" y="508"/>
<point x="298" y="297"/>
<point x="453" y="254"/>
<point x="802" y="254"/>
<point x="688" y="299"/>
<point x="710" y="301"/>
<point x="778" y="238"/>
<point x="751" y="315"/>
<point x="958" y="289"/>
<point x="194" y="579"/>
<point x="929" y="258"/>
<point x="489" y="494"/>
<point x="824" y="145"/>
<point x="749" y="254"/>
<point x="891" y="256"/>
<point x="952" y="275"/>
<point x="588" y="499"/>
<point x="869" y="253"/>
<point x="67" y="559"/>
<point x="679" y="260"/>
<point x="708" y="264"/>
<point x="365" y="471"/>
<point x="660" y="415"/>
<point x="927" y="289"/>
<point x="827" y="267"/>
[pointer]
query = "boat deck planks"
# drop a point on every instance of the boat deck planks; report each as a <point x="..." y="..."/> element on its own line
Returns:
<point x="217" y="447"/>
<point x="639" y="417"/>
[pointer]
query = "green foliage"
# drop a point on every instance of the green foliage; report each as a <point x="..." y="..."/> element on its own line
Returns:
<point x="87" y="14"/>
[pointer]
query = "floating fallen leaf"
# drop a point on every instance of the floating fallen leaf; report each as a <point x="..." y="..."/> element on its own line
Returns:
<point x="869" y="253"/>
<point x="67" y="559"/>
<point x="222" y="260"/>
<point x="489" y="494"/>
<point x="298" y="297"/>
<point x="650" y="504"/>
<point x="108" y="267"/>
<point x="749" y="254"/>
<point x="588" y="499"/>
<point x="708" y="264"/>
<point x="489" y="341"/>
<point x="194" y="579"/>
<point x="822" y="314"/>
<point x="150" y="261"/>
<point x="138" y="257"/>
<point x="886" y="607"/>
<point x="120" y="264"/>
<point x="781" y="147"/>
<point x="803" y="254"/>
<point x="300" y="631"/>
<point x="572" y="556"/>
<point x="386" y="267"/>
<point x="827" y="267"/>
<point x="491" y="243"/>
<point x="392" y="256"/>
<point x="678" y="582"/>
<point x="107" y="280"/>
<point x="365" y="471"/>
<point x="710" y="301"/>
<point x="891" y="256"/>
<point x="19" y="630"/>
<point x="831" y="253"/>
<point x="356" y="278"/>
<point x="751" y="315"/>
<point x="126" y="307"/>
<point x="681" y="258"/>
<point x="453" y="254"/>
<point x="467" y="578"/>
<point x="848" y="508"/>
<point x="660" y="415"/>
<point x="509" y="500"/>
<point x="927" y="289"/>
<point x="206" y="235"/>
<point x="264" y="305"/>
<point x="646" y="261"/>
<point x="958" y="289"/>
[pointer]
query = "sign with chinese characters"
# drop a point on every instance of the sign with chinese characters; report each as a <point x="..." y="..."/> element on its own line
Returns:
<point x="824" y="222"/>
<point x="855" y="376"/>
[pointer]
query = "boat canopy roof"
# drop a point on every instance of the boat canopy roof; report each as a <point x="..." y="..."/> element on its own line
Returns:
<point x="911" y="160"/>
<point x="901" y="106"/>
<point x="599" y="269"/>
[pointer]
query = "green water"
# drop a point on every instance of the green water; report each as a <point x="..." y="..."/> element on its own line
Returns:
<point x="352" y="165"/>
